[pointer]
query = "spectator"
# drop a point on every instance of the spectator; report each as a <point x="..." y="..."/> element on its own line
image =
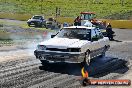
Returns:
<point x="77" y="21"/>
<point x="65" y="24"/>
<point x="109" y="31"/>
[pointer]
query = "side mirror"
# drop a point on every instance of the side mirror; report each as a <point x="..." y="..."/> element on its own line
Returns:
<point x="52" y="36"/>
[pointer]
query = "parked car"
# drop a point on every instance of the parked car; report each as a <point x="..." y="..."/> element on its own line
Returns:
<point x="52" y="23"/>
<point x="74" y="43"/>
<point x="37" y="21"/>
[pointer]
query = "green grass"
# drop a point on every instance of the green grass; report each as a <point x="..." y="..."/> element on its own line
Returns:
<point x="69" y="8"/>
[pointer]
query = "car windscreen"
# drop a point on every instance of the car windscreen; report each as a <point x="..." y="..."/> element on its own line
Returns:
<point x="37" y="17"/>
<point x="75" y="33"/>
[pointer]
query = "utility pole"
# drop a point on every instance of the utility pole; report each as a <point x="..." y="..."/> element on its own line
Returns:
<point x="57" y="13"/>
<point x="41" y="7"/>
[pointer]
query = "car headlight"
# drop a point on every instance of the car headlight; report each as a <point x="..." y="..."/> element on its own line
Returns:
<point x="28" y="21"/>
<point x="41" y="47"/>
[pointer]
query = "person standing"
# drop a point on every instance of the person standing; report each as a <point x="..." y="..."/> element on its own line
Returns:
<point x="77" y="21"/>
<point x="109" y="32"/>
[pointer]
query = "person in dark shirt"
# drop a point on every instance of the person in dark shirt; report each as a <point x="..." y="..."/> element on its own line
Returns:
<point x="77" y="21"/>
<point x="109" y="32"/>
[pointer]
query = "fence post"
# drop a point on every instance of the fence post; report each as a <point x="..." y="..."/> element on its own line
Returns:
<point x="41" y="7"/>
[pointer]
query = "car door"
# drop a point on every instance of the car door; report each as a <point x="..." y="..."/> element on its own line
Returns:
<point x="95" y="46"/>
<point x="101" y="42"/>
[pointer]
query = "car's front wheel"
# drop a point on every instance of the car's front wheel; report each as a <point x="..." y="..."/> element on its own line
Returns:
<point x="44" y="62"/>
<point x="29" y="25"/>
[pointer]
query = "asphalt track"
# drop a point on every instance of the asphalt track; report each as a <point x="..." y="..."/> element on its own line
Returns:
<point x="26" y="71"/>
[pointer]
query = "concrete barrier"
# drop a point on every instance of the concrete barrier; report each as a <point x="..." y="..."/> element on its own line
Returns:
<point x="15" y="16"/>
<point x="120" y="23"/>
<point x="65" y="19"/>
<point x="115" y="23"/>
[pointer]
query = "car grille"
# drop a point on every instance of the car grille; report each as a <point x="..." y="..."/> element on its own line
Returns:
<point x="34" y="21"/>
<point x="64" y="50"/>
<point x="56" y="49"/>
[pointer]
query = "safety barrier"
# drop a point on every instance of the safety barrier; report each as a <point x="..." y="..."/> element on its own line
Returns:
<point x="120" y="23"/>
<point x="123" y="24"/>
<point x="15" y="16"/>
<point x="115" y="23"/>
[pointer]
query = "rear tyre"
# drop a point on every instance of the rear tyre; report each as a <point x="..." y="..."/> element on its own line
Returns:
<point x="87" y="57"/>
<point x="103" y="53"/>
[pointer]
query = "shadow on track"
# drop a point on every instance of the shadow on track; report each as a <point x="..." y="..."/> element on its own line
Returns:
<point x="116" y="40"/>
<point x="99" y="67"/>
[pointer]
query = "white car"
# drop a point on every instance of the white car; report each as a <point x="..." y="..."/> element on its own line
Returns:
<point x="74" y="43"/>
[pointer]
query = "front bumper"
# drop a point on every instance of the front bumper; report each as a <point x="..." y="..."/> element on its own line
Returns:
<point x="33" y="22"/>
<point x="59" y="56"/>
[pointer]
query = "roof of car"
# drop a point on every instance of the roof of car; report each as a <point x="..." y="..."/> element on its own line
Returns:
<point x="79" y="27"/>
<point x="87" y="13"/>
<point x="38" y="15"/>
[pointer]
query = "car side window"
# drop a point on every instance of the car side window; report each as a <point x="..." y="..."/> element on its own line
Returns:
<point x="96" y="35"/>
<point x="99" y="34"/>
<point x="93" y="35"/>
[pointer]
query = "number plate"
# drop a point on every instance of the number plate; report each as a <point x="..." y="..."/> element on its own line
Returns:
<point x="32" y="23"/>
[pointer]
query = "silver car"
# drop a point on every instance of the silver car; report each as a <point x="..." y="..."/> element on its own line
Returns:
<point x="74" y="43"/>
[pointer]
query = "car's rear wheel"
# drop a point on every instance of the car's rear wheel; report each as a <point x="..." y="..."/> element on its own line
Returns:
<point x="104" y="50"/>
<point x="102" y="55"/>
<point x="87" y="57"/>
